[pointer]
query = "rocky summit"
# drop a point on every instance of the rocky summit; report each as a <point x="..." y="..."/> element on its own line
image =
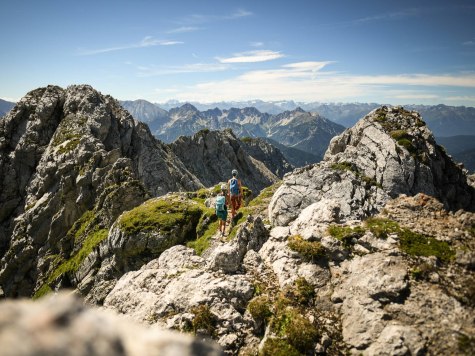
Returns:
<point x="370" y="251"/>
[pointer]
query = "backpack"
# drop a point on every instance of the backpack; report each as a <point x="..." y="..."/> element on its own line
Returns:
<point x="220" y="203"/>
<point x="234" y="186"/>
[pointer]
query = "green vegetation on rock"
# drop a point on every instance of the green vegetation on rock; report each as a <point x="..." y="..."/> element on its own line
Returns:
<point x="347" y="166"/>
<point x="381" y="228"/>
<point x="346" y="234"/>
<point x="259" y="307"/>
<point x="309" y="250"/>
<point x="278" y="347"/>
<point x="415" y="244"/>
<point x="159" y="215"/>
<point x="203" y="319"/>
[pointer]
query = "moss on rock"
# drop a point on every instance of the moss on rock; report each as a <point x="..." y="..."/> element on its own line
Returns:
<point x="159" y="215"/>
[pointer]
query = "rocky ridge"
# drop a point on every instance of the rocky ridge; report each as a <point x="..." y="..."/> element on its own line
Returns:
<point x="369" y="252"/>
<point x="357" y="258"/>
<point x="72" y="161"/>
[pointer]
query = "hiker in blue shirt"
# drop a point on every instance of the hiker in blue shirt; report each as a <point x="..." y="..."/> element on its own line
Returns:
<point x="235" y="193"/>
<point x="222" y="209"/>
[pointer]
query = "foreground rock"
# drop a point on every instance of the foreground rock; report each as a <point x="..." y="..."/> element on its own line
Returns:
<point x="183" y="291"/>
<point x="62" y="325"/>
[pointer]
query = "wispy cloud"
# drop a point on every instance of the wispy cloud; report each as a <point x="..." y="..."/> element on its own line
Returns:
<point x="309" y="81"/>
<point x="187" y="68"/>
<point x="387" y="16"/>
<point x="256" y="44"/>
<point x="183" y="29"/>
<point x="147" y="41"/>
<point x="195" y="19"/>
<point x="469" y="43"/>
<point x="238" y="14"/>
<point x="252" y="57"/>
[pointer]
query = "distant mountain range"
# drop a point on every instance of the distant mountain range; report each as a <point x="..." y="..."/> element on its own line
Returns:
<point x="443" y="120"/>
<point x="462" y="149"/>
<point x="454" y="126"/>
<point x="307" y="134"/>
<point x="5" y="106"/>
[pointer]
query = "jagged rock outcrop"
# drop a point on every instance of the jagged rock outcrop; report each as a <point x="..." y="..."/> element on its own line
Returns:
<point x="67" y="154"/>
<point x="268" y="154"/>
<point x="212" y="155"/>
<point x="388" y="152"/>
<point x="62" y="325"/>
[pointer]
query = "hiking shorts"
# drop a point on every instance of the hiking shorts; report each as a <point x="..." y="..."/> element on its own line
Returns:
<point x="235" y="202"/>
<point x="223" y="215"/>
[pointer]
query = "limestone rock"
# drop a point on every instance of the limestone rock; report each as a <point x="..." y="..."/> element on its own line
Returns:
<point x="212" y="155"/>
<point x="62" y="325"/>
<point x="388" y="152"/>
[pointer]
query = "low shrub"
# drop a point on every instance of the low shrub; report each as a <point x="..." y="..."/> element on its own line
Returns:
<point x="203" y="319"/>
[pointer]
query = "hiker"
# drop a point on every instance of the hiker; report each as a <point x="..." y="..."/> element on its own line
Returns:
<point x="222" y="209"/>
<point x="235" y="193"/>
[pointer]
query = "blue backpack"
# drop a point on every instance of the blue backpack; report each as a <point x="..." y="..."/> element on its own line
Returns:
<point x="220" y="203"/>
<point x="234" y="186"/>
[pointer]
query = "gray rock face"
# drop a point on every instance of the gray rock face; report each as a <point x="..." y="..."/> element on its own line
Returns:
<point x="387" y="153"/>
<point x="396" y="149"/>
<point x="62" y="325"/>
<point x="266" y="153"/>
<point x="212" y="155"/>
<point x="66" y="153"/>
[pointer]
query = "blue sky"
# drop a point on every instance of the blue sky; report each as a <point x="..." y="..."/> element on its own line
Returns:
<point x="396" y="52"/>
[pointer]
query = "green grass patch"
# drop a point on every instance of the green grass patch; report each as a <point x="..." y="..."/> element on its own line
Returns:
<point x="382" y="228"/>
<point x="80" y="226"/>
<point x="407" y="144"/>
<point x="346" y="234"/>
<point x="344" y="166"/>
<point x="159" y="215"/>
<point x="415" y="244"/>
<point x="92" y="240"/>
<point x="309" y="250"/>
<point x="203" y="242"/>
<point x="265" y="195"/>
<point x="45" y="289"/>
<point x="400" y="134"/>
<point x="297" y="330"/>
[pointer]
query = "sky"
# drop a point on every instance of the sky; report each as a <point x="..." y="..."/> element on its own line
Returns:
<point x="394" y="52"/>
